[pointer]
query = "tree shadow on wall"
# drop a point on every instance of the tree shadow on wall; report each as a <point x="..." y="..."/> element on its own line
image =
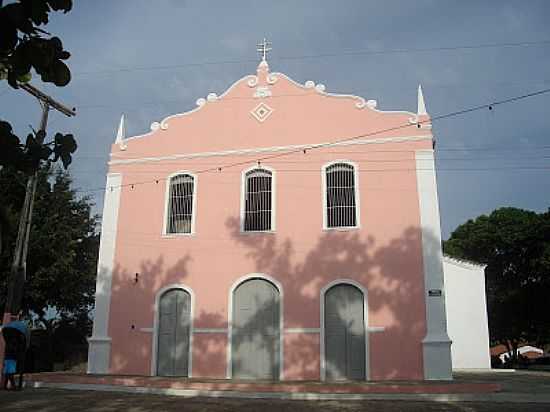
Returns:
<point x="392" y="274"/>
<point x="133" y="337"/>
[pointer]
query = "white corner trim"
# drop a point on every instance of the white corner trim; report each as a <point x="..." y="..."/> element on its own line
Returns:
<point x="98" y="353"/>
<point x="234" y="286"/>
<point x="239" y="152"/>
<point x="324" y="290"/>
<point x="168" y="181"/>
<point x="273" y="198"/>
<point x="357" y="194"/>
<point x="466" y="264"/>
<point x="436" y="343"/>
<point x="156" y="327"/>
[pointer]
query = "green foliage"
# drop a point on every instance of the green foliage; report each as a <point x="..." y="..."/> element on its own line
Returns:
<point x="25" y="47"/>
<point x="515" y="246"/>
<point x="28" y="157"/>
<point x="64" y="146"/>
<point x="62" y="258"/>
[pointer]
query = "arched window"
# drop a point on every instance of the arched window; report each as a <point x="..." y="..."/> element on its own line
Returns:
<point x="258" y="207"/>
<point x="180" y="204"/>
<point x="340" y="198"/>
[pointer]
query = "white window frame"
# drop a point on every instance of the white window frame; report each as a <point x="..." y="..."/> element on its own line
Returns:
<point x="167" y="204"/>
<point x="273" y="198"/>
<point x="357" y="198"/>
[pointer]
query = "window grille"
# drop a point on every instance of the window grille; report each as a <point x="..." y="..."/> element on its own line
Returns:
<point x="258" y="198"/>
<point x="180" y="206"/>
<point x="340" y="196"/>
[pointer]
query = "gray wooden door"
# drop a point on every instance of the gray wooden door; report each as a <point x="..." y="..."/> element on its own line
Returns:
<point x="344" y="333"/>
<point x="255" y="332"/>
<point x="173" y="333"/>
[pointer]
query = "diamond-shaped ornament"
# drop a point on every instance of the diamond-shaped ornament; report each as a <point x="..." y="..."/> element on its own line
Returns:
<point x="261" y="112"/>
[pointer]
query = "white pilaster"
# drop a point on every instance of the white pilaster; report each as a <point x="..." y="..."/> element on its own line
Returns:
<point x="436" y="344"/>
<point x="100" y="343"/>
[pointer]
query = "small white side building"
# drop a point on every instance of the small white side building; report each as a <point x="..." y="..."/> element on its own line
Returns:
<point x="466" y="305"/>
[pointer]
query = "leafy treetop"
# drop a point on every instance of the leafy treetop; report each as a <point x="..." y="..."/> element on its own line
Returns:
<point x="515" y="246"/>
<point x="24" y="46"/>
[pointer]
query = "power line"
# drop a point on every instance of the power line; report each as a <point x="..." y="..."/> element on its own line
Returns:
<point x="321" y="55"/>
<point x="316" y="161"/>
<point x="438" y="149"/>
<point x="489" y="106"/>
<point x="138" y="106"/>
<point x="439" y="169"/>
<point x="390" y="129"/>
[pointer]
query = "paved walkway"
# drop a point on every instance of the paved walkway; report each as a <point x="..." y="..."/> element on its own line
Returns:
<point x="532" y="387"/>
<point x="235" y="388"/>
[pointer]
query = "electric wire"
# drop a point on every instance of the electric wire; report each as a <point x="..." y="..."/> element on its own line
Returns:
<point x="258" y="160"/>
<point x="318" y="56"/>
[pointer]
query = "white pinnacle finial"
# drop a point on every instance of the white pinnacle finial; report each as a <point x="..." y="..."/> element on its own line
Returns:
<point x="121" y="133"/>
<point x="421" y="105"/>
<point x="263" y="48"/>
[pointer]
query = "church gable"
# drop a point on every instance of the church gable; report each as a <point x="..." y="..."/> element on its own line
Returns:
<point x="272" y="110"/>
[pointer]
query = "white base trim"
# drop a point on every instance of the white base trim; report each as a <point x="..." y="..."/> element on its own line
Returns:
<point x="99" y="354"/>
<point x="437" y="360"/>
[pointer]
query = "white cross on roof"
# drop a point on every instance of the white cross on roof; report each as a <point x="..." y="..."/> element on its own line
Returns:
<point x="263" y="48"/>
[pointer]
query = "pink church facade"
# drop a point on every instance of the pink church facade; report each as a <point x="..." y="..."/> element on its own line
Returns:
<point x="276" y="231"/>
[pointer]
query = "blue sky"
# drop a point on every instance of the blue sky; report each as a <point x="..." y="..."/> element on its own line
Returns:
<point x="141" y="58"/>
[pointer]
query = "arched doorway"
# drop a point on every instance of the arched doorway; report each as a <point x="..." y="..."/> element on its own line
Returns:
<point x="255" y="333"/>
<point x="174" y="330"/>
<point x="344" y="333"/>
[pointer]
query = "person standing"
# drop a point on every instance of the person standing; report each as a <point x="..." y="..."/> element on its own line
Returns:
<point x="10" y="365"/>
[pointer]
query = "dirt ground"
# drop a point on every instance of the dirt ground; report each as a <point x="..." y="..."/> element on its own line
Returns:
<point x="524" y="385"/>
<point x="54" y="400"/>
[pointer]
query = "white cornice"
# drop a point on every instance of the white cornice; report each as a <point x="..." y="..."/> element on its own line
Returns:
<point x="238" y="152"/>
<point x="360" y="101"/>
<point x="467" y="264"/>
<point x="252" y="80"/>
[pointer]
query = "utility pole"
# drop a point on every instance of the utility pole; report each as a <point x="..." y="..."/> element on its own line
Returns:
<point x="18" y="272"/>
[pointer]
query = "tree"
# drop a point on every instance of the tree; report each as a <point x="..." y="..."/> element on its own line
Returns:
<point x="515" y="246"/>
<point x="24" y="47"/>
<point x="63" y="251"/>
